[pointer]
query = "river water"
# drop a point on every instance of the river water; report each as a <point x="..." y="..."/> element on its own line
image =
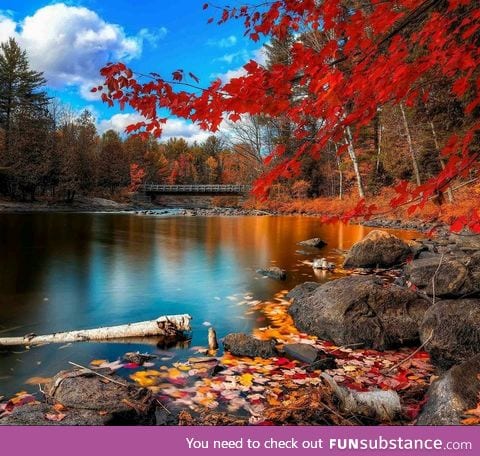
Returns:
<point x="61" y="271"/>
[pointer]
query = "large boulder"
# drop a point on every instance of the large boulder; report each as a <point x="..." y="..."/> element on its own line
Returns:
<point x="120" y="401"/>
<point x="377" y="249"/>
<point x="361" y="310"/>
<point x="303" y="290"/>
<point x="452" y="276"/>
<point x="451" y="395"/>
<point x="451" y="331"/>
<point x="240" y="344"/>
<point x="273" y="272"/>
<point x="88" y="400"/>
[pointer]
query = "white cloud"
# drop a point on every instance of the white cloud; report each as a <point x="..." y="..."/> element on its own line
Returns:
<point x="234" y="56"/>
<point x="227" y="42"/>
<point x="174" y="128"/>
<point x="7" y="27"/>
<point x="259" y="55"/>
<point x="119" y="122"/>
<point x="153" y="36"/>
<point x="70" y="44"/>
<point x="178" y="128"/>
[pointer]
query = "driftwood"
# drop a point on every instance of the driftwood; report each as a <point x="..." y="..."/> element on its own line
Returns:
<point x="212" y="339"/>
<point x="379" y="404"/>
<point x="163" y="326"/>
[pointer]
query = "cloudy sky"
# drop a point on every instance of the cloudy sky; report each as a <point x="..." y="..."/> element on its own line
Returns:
<point x="71" y="40"/>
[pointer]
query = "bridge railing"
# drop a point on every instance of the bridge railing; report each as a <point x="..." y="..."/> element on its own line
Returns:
<point x="160" y="188"/>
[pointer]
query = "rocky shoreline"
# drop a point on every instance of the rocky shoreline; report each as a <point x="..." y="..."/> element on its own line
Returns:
<point x="432" y="304"/>
<point x="101" y="205"/>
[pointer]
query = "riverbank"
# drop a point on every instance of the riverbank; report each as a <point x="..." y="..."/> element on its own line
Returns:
<point x="93" y="205"/>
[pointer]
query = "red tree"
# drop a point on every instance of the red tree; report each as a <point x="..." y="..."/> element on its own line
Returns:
<point x="371" y="53"/>
<point x="137" y="174"/>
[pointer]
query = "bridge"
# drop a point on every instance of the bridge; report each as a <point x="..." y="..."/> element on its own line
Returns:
<point x="212" y="190"/>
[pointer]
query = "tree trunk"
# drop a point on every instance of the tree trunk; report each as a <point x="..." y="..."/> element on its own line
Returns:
<point x="162" y="326"/>
<point x="416" y="170"/>
<point x="340" y="173"/>
<point x="442" y="161"/>
<point x="378" y="139"/>
<point x="353" y="156"/>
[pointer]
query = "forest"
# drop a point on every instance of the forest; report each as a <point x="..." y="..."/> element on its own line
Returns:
<point x="49" y="151"/>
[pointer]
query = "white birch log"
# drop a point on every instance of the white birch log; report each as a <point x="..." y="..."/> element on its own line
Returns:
<point x="163" y="326"/>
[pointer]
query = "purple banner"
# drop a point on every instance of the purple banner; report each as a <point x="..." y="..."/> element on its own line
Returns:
<point x="82" y="441"/>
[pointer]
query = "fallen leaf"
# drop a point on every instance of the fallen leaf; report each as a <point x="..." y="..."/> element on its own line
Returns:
<point x="55" y="416"/>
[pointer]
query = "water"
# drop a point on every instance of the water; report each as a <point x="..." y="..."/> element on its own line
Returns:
<point x="60" y="272"/>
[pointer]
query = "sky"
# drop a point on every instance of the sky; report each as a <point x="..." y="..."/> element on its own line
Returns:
<point x="70" y="41"/>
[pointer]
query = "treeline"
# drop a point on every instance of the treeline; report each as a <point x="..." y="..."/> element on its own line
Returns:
<point x="46" y="149"/>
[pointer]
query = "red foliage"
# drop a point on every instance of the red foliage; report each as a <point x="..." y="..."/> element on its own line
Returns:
<point x="137" y="174"/>
<point x="369" y="62"/>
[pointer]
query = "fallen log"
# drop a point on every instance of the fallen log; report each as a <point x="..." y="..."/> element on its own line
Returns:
<point x="170" y="325"/>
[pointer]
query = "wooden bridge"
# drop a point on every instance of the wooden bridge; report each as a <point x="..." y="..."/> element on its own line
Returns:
<point x="212" y="190"/>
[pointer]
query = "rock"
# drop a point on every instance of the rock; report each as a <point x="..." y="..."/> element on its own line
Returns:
<point x="314" y="242"/>
<point x="273" y="273"/>
<point x="323" y="264"/>
<point x="138" y="358"/>
<point x="361" y="310"/>
<point x="168" y="415"/>
<point x="303" y="290"/>
<point x="81" y="390"/>
<point x="240" y="344"/>
<point x="377" y="249"/>
<point x="35" y="415"/>
<point x="451" y="395"/>
<point x="308" y="354"/>
<point x="466" y="241"/>
<point x="453" y="327"/>
<point x="454" y="276"/>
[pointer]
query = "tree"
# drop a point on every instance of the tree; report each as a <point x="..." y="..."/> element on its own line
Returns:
<point x="113" y="165"/>
<point x="378" y="54"/>
<point x="20" y="87"/>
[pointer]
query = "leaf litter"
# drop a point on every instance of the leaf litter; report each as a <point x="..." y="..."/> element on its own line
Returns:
<point x="227" y="388"/>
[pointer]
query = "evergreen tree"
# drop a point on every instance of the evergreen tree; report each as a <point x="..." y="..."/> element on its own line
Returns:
<point x="20" y="86"/>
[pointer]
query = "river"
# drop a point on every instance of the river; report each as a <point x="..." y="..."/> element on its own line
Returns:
<point x="63" y="271"/>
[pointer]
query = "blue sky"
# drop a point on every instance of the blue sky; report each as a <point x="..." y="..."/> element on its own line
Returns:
<point x="69" y="41"/>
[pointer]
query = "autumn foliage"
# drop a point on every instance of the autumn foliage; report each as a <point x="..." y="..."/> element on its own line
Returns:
<point x="367" y="54"/>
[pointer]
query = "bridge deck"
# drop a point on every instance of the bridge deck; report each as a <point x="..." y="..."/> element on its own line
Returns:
<point x="194" y="189"/>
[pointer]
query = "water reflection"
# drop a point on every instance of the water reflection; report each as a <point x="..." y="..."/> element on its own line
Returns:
<point x="60" y="272"/>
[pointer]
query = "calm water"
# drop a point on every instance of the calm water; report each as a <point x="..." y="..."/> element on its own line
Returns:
<point x="62" y="272"/>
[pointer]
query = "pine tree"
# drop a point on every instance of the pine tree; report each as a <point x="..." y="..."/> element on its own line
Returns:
<point x="20" y="86"/>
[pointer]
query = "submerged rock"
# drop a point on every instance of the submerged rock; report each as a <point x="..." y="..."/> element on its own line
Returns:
<point x="361" y="310"/>
<point x="446" y="276"/>
<point x="322" y="263"/>
<point x="452" y="394"/>
<point x="451" y="331"/>
<point x="240" y="344"/>
<point x="377" y="249"/>
<point x="273" y="273"/>
<point x="314" y="242"/>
